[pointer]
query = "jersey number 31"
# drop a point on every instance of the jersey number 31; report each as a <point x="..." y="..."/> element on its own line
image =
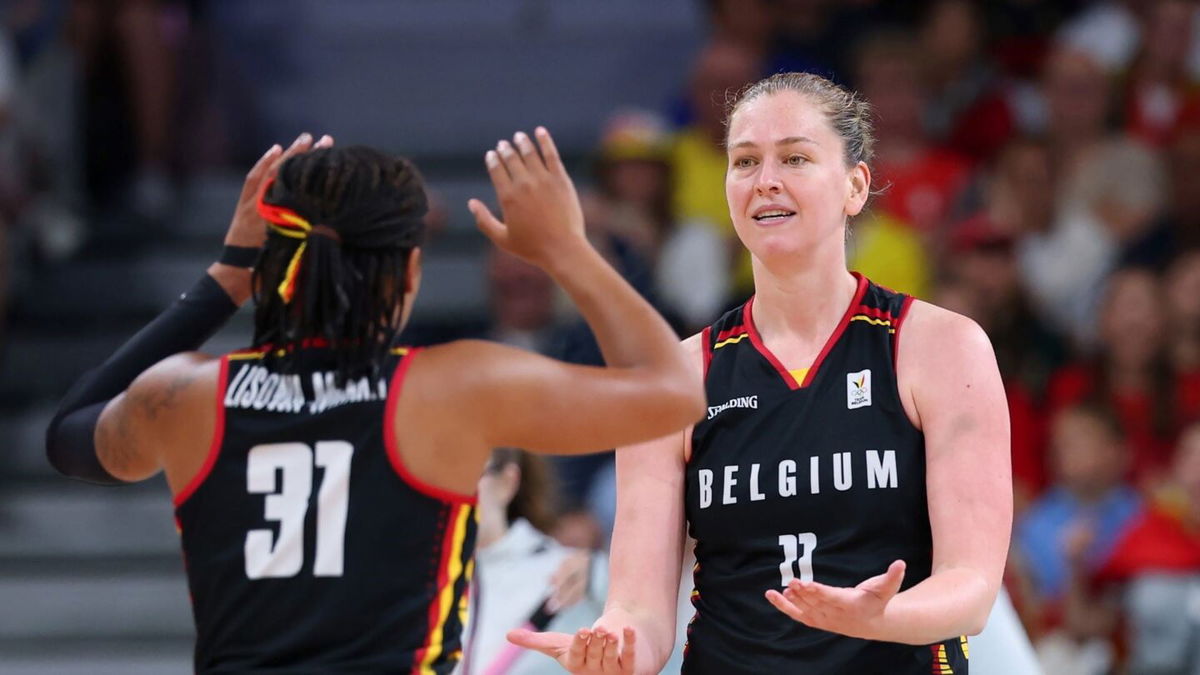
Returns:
<point x="272" y="557"/>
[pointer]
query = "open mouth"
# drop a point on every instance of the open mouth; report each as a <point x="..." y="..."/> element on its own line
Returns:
<point x="773" y="216"/>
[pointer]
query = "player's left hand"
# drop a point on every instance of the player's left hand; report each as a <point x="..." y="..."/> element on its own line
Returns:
<point x="856" y="612"/>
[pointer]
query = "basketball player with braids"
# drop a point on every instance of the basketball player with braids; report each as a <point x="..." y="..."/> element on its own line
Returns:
<point x="324" y="478"/>
<point x="849" y="488"/>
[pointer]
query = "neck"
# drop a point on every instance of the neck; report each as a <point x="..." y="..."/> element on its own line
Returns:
<point x="805" y="301"/>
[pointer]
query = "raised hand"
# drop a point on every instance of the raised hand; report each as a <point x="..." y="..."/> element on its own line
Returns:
<point x="857" y="612"/>
<point x="541" y="214"/>
<point x="248" y="228"/>
<point x="590" y="651"/>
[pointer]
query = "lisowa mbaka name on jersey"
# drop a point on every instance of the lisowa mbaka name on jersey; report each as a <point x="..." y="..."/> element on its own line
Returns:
<point x="254" y="387"/>
<point x="879" y="469"/>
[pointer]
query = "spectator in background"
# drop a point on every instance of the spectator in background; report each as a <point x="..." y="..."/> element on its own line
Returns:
<point x="634" y="176"/>
<point x="1088" y="500"/>
<point x="521" y="303"/>
<point x="1182" y="283"/>
<point x="966" y="108"/>
<point x="1111" y="202"/>
<point x="922" y="183"/>
<point x="128" y="55"/>
<point x="1158" y="85"/>
<point x="523" y="574"/>
<point x="1130" y="373"/>
<point x="745" y="23"/>
<point x="698" y="157"/>
<point x="1156" y="565"/>
<point x="1178" y="227"/>
<point x="1076" y="95"/>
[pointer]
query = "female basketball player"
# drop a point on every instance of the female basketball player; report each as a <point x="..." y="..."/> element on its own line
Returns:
<point x="848" y="488"/>
<point x="324" y="479"/>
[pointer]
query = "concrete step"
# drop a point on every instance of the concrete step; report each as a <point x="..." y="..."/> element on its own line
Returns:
<point x="74" y="520"/>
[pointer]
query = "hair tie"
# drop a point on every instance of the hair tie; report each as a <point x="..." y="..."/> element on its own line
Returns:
<point x="286" y="222"/>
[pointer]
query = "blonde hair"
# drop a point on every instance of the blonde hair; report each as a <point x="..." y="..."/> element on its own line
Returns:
<point x="848" y="113"/>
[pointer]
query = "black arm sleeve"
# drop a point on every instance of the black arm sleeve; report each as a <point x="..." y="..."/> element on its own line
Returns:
<point x="184" y="326"/>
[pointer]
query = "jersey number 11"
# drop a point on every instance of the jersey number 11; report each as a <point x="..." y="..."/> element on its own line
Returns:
<point x="797" y="553"/>
<point x="273" y="557"/>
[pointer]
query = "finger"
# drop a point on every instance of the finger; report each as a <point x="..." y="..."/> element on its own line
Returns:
<point x="501" y="180"/>
<point x="529" y="154"/>
<point x="627" y="650"/>
<point x="325" y="142"/>
<point x="549" y="150"/>
<point x="512" y="161"/>
<point x="887" y="584"/>
<point x="487" y="223"/>
<point x="303" y="143"/>
<point x="595" y="648"/>
<point x="782" y="604"/>
<point x="551" y="644"/>
<point x="258" y="172"/>
<point x="577" y="652"/>
<point x="610" y="661"/>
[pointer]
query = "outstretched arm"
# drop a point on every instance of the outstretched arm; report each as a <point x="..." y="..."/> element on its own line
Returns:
<point x="524" y="400"/>
<point x="644" y="568"/>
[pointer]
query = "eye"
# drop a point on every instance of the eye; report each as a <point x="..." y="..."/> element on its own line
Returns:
<point x="796" y="160"/>
<point x="743" y="162"/>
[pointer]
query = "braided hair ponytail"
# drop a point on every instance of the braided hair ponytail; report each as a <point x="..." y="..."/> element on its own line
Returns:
<point x="344" y="223"/>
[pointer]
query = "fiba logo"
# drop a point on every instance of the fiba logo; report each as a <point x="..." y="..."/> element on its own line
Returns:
<point x="858" y="389"/>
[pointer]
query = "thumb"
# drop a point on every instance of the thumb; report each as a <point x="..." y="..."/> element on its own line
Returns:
<point x="487" y="223"/>
<point x="551" y="644"/>
<point x="887" y="584"/>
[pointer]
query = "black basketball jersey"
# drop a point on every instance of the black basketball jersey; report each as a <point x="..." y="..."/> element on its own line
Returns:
<point x="817" y="475"/>
<point x="308" y="546"/>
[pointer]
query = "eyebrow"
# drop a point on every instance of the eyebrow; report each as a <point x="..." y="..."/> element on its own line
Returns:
<point x="790" y="140"/>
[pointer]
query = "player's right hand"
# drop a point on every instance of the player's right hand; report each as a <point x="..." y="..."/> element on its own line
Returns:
<point x="542" y="218"/>
<point x="247" y="227"/>
<point x="590" y="651"/>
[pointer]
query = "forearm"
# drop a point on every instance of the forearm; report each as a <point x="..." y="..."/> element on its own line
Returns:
<point x="629" y="331"/>
<point x="949" y="603"/>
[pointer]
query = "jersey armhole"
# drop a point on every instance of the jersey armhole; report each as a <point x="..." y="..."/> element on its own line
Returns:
<point x="218" y="439"/>
<point x="392" y="446"/>
<point x="706" y="348"/>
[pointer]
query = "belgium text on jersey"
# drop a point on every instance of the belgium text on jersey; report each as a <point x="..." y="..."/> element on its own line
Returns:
<point x="256" y="388"/>
<point x="879" y="469"/>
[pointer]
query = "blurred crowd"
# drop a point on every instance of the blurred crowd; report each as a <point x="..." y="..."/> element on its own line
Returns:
<point x="1037" y="169"/>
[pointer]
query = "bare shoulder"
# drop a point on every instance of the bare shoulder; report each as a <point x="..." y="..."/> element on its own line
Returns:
<point x="163" y="386"/>
<point x="944" y="360"/>
<point x="933" y="334"/>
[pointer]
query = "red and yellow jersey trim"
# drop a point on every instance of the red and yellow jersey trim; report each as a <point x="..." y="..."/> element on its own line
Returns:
<point x="451" y="575"/>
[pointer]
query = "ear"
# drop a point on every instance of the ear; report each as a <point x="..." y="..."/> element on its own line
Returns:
<point x="859" y="188"/>
<point x="412" y="277"/>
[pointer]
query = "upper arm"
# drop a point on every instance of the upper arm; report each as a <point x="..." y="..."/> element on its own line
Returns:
<point x="135" y="429"/>
<point x="521" y="399"/>
<point x="947" y="364"/>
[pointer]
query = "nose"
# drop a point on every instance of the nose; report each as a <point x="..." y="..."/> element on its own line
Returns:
<point x="767" y="183"/>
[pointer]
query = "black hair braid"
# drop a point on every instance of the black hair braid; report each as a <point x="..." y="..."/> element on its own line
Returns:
<point x="349" y="293"/>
